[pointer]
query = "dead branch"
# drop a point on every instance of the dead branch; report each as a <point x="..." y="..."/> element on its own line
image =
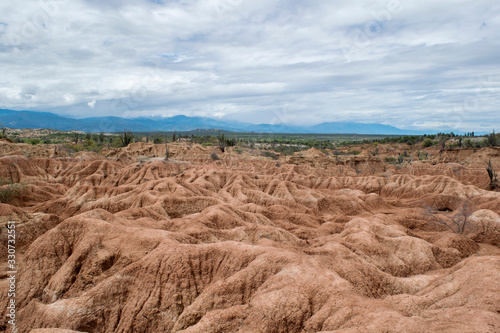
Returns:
<point x="456" y="221"/>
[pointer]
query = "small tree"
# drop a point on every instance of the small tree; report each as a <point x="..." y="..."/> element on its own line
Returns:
<point x="167" y="154"/>
<point x="456" y="221"/>
<point x="101" y="137"/>
<point x="3" y="129"/>
<point x="157" y="139"/>
<point x="492" y="139"/>
<point x="126" y="138"/>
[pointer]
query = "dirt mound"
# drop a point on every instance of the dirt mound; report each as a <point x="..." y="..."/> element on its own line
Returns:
<point x="8" y="148"/>
<point x="176" y="151"/>
<point x="313" y="152"/>
<point x="470" y="155"/>
<point x="128" y="244"/>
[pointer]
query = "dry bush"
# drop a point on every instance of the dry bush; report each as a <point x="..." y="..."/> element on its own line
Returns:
<point x="456" y="221"/>
<point x="493" y="177"/>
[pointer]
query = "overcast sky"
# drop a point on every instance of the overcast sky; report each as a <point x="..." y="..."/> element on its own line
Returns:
<point x="414" y="64"/>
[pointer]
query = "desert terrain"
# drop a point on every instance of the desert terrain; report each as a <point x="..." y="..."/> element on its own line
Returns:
<point x="126" y="241"/>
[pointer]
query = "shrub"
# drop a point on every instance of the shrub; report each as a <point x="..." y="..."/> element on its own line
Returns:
<point x="468" y="143"/>
<point x="269" y="154"/>
<point x="390" y="159"/>
<point x="34" y="141"/>
<point x="157" y="140"/>
<point x="10" y="191"/>
<point x="214" y="156"/>
<point x="427" y="143"/>
<point x="422" y="155"/>
<point x="492" y="139"/>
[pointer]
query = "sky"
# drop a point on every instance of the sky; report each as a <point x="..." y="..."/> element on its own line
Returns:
<point x="413" y="64"/>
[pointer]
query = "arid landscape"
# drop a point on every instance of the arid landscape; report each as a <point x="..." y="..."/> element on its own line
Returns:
<point x="250" y="166"/>
<point x="126" y="241"/>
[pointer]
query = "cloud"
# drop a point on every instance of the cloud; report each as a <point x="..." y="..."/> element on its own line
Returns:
<point x="412" y="64"/>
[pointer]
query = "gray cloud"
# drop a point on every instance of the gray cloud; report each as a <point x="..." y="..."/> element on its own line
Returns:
<point x="412" y="64"/>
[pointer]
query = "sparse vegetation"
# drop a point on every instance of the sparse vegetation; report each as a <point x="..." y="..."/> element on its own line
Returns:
<point x="10" y="190"/>
<point x="283" y="144"/>
<point x="271" y="155"/>
<point x="224" y="142"/>
<point x="34" y="141"/>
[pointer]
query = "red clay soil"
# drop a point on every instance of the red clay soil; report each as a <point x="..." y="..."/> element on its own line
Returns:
<point x="235" y="245"/>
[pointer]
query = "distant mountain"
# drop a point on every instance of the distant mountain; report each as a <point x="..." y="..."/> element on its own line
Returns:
<point x="359" y="128"/>
<point x="31" y="119"/>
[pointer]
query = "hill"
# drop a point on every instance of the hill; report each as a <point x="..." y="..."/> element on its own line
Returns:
<point x="32" y="119"/>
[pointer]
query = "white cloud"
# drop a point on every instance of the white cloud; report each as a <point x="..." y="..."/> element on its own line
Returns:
<point x="409" y="63"/>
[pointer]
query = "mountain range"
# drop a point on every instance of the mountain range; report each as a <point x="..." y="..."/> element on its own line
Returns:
<point x="35" y="119"/>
